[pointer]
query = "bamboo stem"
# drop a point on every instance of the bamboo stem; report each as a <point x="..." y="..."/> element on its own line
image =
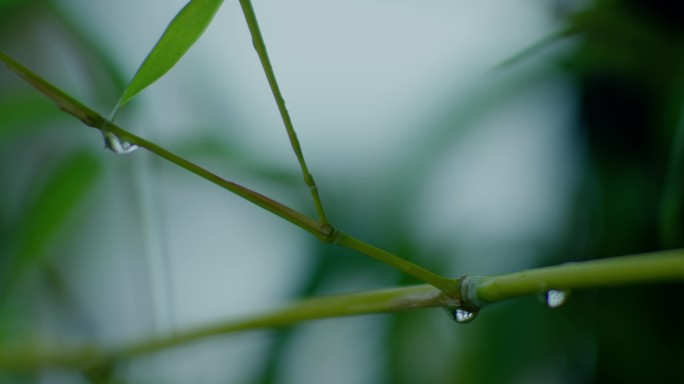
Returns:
<point x="260" y="47"/>
<point x="449" y="286"/>
<point x="662" y="266"/>
<point x="477" y="291"/>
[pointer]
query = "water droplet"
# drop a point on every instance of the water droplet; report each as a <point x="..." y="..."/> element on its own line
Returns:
<point x="460" y="315"/>
<point x="116" y="145"/>
<point x="555" y="298"/>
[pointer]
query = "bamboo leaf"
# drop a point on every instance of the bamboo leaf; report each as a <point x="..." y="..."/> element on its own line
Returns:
<point x="180" y="35"/>
<point x="672" y="203"/>
<point x="538" y="46"/>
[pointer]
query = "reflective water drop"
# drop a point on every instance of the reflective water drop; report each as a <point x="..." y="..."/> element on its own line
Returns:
<point x="555" y="298"/>
<point x="116" y="145"/>
<point x="460" y="315"/>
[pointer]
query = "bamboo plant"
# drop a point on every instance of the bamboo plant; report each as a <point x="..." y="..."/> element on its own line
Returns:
<point x="463" y="297"/>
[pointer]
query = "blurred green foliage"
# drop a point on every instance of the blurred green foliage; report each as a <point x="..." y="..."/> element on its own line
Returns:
<point x="628" y="67"/>
<point x="630" y="70"/>
<point x="45" y="214"/>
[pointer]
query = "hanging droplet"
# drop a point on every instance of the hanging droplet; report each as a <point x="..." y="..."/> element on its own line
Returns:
<point x="460" y="315"/>
<point x="116" y="145"/>
<point x="555" y="298"/>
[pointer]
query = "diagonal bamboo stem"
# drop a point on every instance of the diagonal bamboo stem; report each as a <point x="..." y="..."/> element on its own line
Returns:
<point x="260" y="47"/>
<point x="323" y="231"/>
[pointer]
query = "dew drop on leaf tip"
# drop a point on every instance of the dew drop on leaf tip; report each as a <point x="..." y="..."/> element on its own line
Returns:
<point x="460" y="315"/>
<point x="116" y="145"/>
<point x="554" y="298"/>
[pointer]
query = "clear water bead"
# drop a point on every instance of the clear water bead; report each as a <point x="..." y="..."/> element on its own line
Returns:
<point x="555" y="298"/>
<point x="460" y="315"/>
<point x="116" y="145"/>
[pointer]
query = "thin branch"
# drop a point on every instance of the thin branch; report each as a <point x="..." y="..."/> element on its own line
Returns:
<point x="655" y="267"/>
<point x="323" y="231"/>
<point x="29" y="358"/>
<point x="381" y="301"/>
<point x="299" y="219"/>
<point x="477" y="291"/>
<point x="449" y="286"/>
<point x="260" y="47"/>
<point x="470" y="292"/>
<point x="95" y="120"/>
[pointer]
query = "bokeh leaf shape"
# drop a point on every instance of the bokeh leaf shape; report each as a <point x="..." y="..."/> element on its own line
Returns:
<point x="49" y="212"/>
<point x="26" y="115"/>
<point x="183" y="31"/>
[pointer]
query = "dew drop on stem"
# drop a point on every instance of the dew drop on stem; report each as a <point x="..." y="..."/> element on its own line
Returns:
<point x="116" y="145"/>
<point x="554" y="298"/>
<point x="460" y="315"/>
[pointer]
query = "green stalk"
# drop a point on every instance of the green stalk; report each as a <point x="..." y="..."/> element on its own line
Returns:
<point x="30" y="358"/>
<point x="449" y="286"/>
<point x="661" y="266"/>
<point x="65" y="102"/>
<point x="477" y="291"/>
<point x="381" y="301"/>
<point x="299" y="219"/>
<point x="653" y="267"/>
<point x="95" y="120"/>
<point x="260" y="47"/>
<point x="321" y="230"/>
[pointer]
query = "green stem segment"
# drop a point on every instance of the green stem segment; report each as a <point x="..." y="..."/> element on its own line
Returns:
<point x="448" y="286"/>
<point x="321" y="230"/>
<point x="65" y="102"/>
<point x="380" y="301"/>
<point x="653" y="267"/>
<point x="299" y="219"/>
<point x="656" y="267"/>
<point x="470" y="291"/>
<point x="95" y="120"/>
<point x="260" y="47"/>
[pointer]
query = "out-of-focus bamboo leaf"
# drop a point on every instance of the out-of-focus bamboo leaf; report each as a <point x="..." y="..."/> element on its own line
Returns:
<point x="23" y="114"/>
<point x="60" y="195"/>
<point x="180" y="35"/>
<point x="672" y="204"/>
<point x="7" y="2"/>
<point x="65" y="102"/>
<point x="538" y="46"/>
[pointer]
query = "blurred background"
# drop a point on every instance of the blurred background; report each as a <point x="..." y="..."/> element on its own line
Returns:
<point x="425" y="139"/>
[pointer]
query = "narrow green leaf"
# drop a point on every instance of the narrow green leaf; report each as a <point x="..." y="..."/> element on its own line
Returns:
<point x="538" y="46"/>
<point x="672" y="204"/>
<point x="180" y="35"/>
<point x="42" y="219"/>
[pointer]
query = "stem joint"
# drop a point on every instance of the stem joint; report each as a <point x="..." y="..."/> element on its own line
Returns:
<point x="467" y="289"/>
